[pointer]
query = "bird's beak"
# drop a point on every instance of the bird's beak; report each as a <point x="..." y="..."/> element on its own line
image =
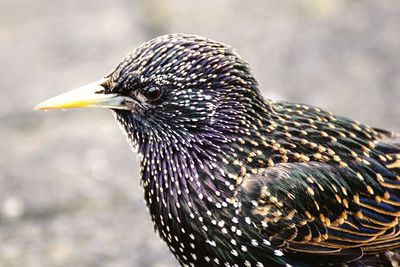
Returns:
<point x="88" y="96"/>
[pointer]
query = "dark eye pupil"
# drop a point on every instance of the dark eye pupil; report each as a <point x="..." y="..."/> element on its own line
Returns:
<point x="152" y="93"/>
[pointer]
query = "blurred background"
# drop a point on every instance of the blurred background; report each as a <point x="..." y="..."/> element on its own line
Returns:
<point x="69" y="185"/>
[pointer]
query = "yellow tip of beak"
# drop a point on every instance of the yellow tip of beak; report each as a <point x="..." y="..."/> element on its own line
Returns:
<point x="85" y="97"/>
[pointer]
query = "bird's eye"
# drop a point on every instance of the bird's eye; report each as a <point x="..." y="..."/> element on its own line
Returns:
<point x="152" y="93"/>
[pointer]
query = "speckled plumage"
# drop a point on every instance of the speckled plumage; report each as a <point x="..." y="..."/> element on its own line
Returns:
<point x="232" y="179"/>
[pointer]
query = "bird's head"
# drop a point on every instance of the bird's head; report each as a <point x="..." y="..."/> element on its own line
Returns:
<point x="172" y="83"/>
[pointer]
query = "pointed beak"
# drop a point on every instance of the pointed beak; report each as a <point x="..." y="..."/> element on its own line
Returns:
<point x="88" y="96"/>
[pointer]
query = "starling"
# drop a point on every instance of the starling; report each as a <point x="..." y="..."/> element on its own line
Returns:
<point x="233" y="179"/>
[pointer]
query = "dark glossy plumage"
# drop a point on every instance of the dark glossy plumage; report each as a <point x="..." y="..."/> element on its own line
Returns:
<point x="232" y="179"/>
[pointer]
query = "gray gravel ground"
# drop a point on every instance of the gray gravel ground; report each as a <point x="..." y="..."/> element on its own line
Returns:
<point x="69" y="187"/>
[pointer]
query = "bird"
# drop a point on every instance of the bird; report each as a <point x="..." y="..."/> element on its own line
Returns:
<point x="231" y="178"/>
